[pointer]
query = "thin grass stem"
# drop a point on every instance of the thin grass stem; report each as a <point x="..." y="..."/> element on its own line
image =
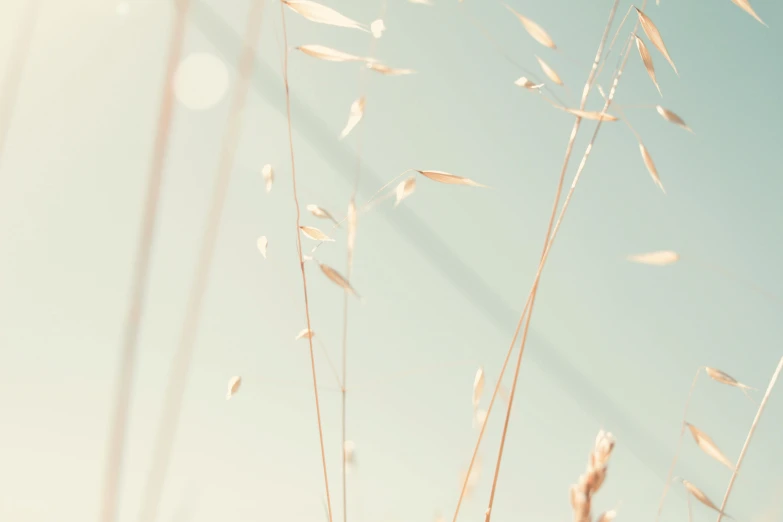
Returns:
<point x="301" y="259"/>
<point x="569" y="149"/>
<point x="747" y="439"/>
<point x="552" y="237"/>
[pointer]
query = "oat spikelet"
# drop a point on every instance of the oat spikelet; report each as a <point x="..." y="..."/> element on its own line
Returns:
<point x="314" y="234"/>
<point x="389" y="71"/>
<point x="321" y="14"/>
<point x="233" y="386"/>
<point x="269" y="177"/>
<point x="725" y="378"/>
<point x="659" y="258"/>
<point x="551" y="74"/>
<point x="404" y="189"/>
<point x="478" y="387"/>
<point x="377" y="28"/>
<point x="534" y="30"/>
<point x="745" y="6"/>
<point x="305" y="334"/>
<point x="701" y="496"/>
<point x="647" y="61"/>
<point x="322" y="213"/>
<point x="655" y="37"/>
<point x="354" y="117"/>
<point x="449" y="179"/>
<point x="590" y="115"/>
<point x="262" y="243"/>
<point x="648" y="162"/>
<point x="590" y="482"/>
<point x="335" y="277"/>
<point x="527" y="84"/>
<point x="708" y="446"/>
<point x="669" y="116"/>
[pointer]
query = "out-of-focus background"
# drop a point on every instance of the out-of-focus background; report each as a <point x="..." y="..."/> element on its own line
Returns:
<point x="443" y="276"/>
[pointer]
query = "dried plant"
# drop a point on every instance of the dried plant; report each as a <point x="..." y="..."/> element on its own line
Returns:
<point x="581" y="493"/>
<point x="594" y="476"/>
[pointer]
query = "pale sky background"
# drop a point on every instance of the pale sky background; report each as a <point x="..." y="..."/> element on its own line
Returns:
<point x="444" y="275"/>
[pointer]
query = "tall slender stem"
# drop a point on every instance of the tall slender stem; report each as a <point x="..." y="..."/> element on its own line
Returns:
<point x="172" y="405"/>
<point x="747" y="439"/>
<point x="569" y="150"/>
<point x="547" y="244"/>
<point x="301" y="260"/>
<point x="684" y="424"/>
<point x="118" y="429"/>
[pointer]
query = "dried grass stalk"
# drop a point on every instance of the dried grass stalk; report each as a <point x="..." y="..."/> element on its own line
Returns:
<point x="772" y="382"/>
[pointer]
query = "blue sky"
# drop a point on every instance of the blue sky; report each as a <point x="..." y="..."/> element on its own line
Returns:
<point x="444" y="275"/>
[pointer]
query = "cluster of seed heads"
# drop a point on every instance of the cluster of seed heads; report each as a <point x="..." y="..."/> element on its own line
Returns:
<point x="590" y="482"/>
